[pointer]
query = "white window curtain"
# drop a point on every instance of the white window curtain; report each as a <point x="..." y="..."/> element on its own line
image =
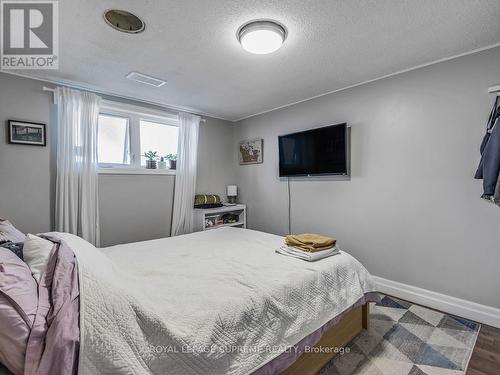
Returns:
<point x="185" y="178"/>
<point x="77" y="208"/>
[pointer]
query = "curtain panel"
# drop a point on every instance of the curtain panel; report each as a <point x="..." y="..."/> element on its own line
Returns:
<point x="185" y="178"/>
<point x="77" y="206"/>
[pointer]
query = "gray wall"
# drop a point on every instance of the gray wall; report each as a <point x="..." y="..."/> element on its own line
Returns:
<point x="215" y="157"/>
<point x="135" y="207"/>
<point x="132" y="207"/>
<point x="25" y="172"/>
<point x="412" y="211"/>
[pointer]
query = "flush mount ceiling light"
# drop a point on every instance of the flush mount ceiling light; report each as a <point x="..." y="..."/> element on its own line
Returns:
<point x="124" y="21"/>
<point x="261" y="36"/>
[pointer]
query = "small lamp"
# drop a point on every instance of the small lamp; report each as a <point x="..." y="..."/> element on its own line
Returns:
<point x="232" y="193"/>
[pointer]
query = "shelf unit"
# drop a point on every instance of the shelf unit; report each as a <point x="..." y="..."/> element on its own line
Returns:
<point x="214" y="215"/>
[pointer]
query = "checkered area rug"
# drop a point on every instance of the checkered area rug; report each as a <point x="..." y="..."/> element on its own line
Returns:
<point x="407" y="339"/>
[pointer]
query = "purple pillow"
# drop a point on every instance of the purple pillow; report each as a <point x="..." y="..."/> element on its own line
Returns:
<point x="18" y="305"/>
<point x="8" y="232"/>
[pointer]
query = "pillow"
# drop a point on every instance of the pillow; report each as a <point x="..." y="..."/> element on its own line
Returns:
<point x="36" y="252"/>
<point x="18" y="305"/>
<point x="8" y="232"/>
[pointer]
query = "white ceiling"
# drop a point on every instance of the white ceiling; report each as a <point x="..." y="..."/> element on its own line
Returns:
<point x="331" y="44"/>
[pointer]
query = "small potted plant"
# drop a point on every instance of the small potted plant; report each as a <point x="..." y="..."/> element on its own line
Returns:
<point x="162" y="164"/>
<point x="172" y="160"/>
<point x="151" y="157"/>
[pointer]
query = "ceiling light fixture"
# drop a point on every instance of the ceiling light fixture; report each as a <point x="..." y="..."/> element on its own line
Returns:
<point x="261" y="36"/>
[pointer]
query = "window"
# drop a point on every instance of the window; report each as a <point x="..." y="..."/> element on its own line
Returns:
<point x="126" y="132"/>
<point x="158" y="137"/>
<point x="113" y="140"/>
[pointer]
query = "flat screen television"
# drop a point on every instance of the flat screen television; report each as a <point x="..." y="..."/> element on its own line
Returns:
<point x="315" y="152"/>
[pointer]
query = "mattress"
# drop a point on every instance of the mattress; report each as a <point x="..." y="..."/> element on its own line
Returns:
<point x="215" y="302"/>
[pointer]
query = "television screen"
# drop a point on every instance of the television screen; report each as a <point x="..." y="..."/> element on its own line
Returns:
<point x="321" y="151"/>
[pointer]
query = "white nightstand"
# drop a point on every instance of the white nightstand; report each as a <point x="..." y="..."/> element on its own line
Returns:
<point x="214" y="214"/>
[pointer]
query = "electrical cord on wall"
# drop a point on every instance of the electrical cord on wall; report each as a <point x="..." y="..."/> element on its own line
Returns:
<point x="289" y="207"/>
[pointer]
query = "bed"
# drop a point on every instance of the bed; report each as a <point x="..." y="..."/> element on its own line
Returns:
<point x="213" y="302"/>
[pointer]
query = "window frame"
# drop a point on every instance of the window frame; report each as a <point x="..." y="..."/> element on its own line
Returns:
<point x="135" y="114"/>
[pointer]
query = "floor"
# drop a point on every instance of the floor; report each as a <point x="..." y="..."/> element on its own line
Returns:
<point x="485" y="358"/>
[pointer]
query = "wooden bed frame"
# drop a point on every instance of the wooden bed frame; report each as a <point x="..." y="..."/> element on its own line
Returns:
<point x="338" y="336"/>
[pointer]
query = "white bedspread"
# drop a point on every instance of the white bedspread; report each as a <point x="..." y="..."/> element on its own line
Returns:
<point x="213" y="302"/>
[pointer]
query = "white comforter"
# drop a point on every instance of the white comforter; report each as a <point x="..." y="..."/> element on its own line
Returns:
<point x="215" y="302"/>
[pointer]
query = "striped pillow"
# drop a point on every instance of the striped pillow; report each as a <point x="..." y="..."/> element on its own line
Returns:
<point x="9" y="233"/>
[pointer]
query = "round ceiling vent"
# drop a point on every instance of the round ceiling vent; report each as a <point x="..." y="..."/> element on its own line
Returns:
<point x="124" y="21"/>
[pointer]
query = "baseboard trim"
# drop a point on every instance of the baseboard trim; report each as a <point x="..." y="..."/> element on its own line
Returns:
<point x="451" y="305"/>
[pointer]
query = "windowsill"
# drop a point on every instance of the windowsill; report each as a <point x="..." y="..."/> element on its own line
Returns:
<point x="137" y="171"/>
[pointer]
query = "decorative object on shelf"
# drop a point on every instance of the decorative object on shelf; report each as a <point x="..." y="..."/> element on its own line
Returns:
<point x="162" y="164"/>
<point x="27" y="133"/>
<point x="232" y="193"/>
<point x="230" y="218"/>
<point x="151" y="157"/>
<point x="250" y="152"/>
<point x="207" y="201"/>
<point x="210" y="222"/>
<point x="172" y="160"/>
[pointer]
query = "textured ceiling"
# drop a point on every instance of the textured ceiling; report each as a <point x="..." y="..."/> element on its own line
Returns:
<point x="331" y="44"/>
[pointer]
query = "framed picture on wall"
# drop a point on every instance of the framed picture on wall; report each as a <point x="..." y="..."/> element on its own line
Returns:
<point x="26" y="133"/>
<point x="250" y="152"/>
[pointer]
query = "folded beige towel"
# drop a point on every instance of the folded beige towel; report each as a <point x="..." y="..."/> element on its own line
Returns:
<point x="310" y="242"/>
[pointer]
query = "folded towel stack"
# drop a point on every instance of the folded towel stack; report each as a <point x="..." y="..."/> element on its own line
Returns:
<point x="310" y="242"/>
<point x="309" y="246"/>
<point x="308" y="256"/>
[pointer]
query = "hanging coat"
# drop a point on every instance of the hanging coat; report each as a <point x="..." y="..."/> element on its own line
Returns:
<point x="489" y="166"/>
<point x="496" y="197"/>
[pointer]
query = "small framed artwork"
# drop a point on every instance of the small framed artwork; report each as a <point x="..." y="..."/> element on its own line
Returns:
<point x="27" y="133"/>
<point x="250" y="152"/>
